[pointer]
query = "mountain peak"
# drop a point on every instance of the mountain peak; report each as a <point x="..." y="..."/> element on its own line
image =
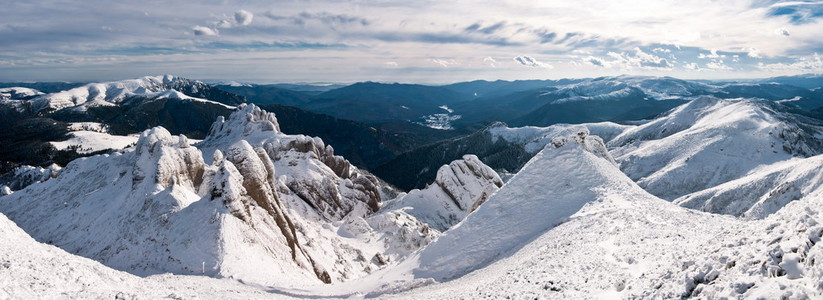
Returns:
<point x="246" y="121"/>
<point x="552" y="186"/>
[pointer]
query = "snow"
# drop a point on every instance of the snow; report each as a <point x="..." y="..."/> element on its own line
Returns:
<point x="31" y="270"/>
<point x="532" y="202"/>
<point x="101" y="93"/>
<point x="440" y="121"/>
<point x="763" y="192"/>
<point x="17" y="93"/>
<point x="269" y="214"/>
<point x="92" y="141"/>
<point x="112" y="93"/>
<point x="535" y="138"/>
<point x="267" y="208"/>
<point x="710" y="141"/>
<point x="607" y="238"/>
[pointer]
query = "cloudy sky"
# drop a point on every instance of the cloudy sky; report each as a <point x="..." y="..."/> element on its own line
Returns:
<point x="410" y="41"/>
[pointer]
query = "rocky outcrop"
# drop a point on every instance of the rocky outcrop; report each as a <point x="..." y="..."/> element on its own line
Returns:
<point x="327" y="182"/>
<point x="23" y="176"/>
<point x="460" y="187"/>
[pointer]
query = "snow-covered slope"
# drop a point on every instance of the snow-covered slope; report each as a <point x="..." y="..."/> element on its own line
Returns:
<point x="657" y="88"/>
<point x="31" y="270"/>
<point x="577" y="228"/>
<point x="460" y="188"/>
<point x="262" y="206"/>
<point x="18" y="93"/>
<point x="763" y="192"/>
<point x="709" y="141"/>
<point x="112" y="93"/>
<point x="531" y="203"/>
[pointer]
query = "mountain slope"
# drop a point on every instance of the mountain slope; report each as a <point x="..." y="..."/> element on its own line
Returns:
<point x="578" y="228"/>
<point x="268" y="94"/>
<point x="372" y="102"/>
<point x="33" y="270"/>
<point x="710" y="141"/>
<point x="762" y="192"/>
<point x="498" y="146"/>
<point x="522" y="209"/>
<point x="111" y="93"/>
<point x="248" y="202"/>
<point x="363" y="145"/>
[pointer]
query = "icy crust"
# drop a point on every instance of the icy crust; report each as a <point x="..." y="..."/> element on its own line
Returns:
<point x="266" y="208"/>
<point x="691" y="148"/>
<point x="762" y="192"/>
<point x="459" y="189"/>
<point x="552" y="186"/>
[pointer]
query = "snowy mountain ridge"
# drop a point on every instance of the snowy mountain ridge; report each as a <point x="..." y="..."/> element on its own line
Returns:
<point x="257" y="202"/>
<point x="709" y="141"/>
<point x="112" y="93"/>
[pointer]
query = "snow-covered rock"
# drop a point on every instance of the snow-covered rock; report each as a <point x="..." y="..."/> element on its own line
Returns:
<point x="259" y="205"/>
<point x="24" y="176"/>
<point x="709" y="141"/>
<point x="459" y="189"/>
<point x="535" y="138"/>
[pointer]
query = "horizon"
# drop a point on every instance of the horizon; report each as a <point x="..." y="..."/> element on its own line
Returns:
<point x="425" y="42"/>
<point x="341" y="83"/>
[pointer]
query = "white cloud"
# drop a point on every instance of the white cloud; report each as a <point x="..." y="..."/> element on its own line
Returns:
<point x="490" y="61"/>
<point x="718" y="65"/>
<point x="223" y="24"/>
<point x="807" y="64"/>
<point x="629" y="61"/>
<point x="531" y="62"/>
<point x="595" y="61"/>
<point x="712" y="54"/>
<point x="243" y="17"/>
<point x="392" y="64"/>
<point x="443" y="62"/>
<point x="752" y="52"/>
<point x="691" y="66"/>
<point x="201" y="30"/>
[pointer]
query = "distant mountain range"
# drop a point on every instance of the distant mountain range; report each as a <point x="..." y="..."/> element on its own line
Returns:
<point x="529" y="102"/>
